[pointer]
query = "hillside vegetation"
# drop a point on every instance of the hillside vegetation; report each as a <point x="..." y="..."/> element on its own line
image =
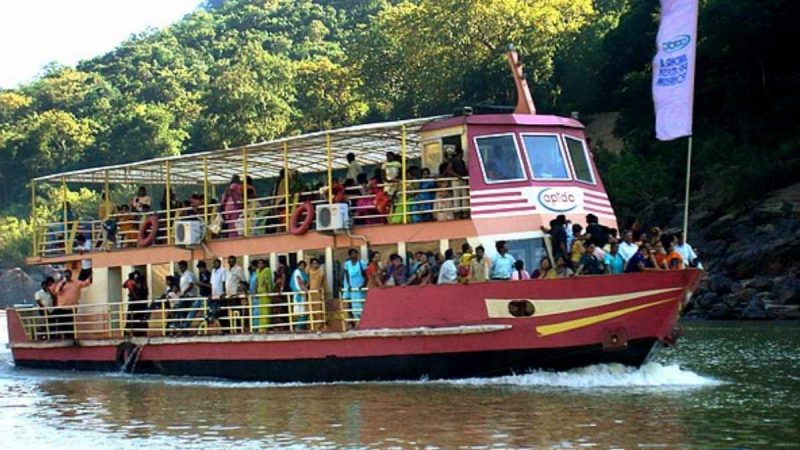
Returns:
<point x="237" y="71"/>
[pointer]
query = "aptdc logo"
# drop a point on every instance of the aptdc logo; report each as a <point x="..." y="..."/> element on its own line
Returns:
<point x="557" y="200"/>
<point x="679" y="43"/>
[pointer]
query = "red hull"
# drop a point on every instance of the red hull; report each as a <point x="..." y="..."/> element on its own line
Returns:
<point x="412" y="332"/>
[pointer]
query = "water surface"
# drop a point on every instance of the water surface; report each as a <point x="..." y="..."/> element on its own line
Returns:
<point x="727" y="385"/>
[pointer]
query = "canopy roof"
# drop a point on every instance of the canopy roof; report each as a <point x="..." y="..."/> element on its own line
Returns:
<point x="307" y="154"/>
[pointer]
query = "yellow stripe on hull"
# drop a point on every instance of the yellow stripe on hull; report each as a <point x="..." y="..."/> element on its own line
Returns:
<point x="561" y="327"/>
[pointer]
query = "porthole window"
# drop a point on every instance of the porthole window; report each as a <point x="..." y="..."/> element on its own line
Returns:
<point x="521" y="308"/>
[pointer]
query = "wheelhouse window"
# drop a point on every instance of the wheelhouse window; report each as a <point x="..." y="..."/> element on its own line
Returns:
<point x="580" y="159"/>
<point x="545" y="157"/>
<point x="499" y="158"/>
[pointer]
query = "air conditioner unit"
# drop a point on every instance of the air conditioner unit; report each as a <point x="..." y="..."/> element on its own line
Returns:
<point x="189" y="232"/>
<point x="333" y="217"/>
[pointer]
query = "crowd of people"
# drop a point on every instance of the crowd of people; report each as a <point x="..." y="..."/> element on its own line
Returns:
<point x="375" y="199"/>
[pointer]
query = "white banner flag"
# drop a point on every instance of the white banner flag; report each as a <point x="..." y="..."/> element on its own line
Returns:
<point x="673" y="69"/>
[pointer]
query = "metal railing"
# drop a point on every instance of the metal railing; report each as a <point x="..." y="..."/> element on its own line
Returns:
<point x="281" y="312"/>
<point x="427" y="200"/>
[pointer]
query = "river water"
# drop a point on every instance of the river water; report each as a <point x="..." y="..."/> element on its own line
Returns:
<point x="727" y="385"/>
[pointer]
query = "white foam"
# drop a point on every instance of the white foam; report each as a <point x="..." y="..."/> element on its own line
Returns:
<point x="602" y="375"/>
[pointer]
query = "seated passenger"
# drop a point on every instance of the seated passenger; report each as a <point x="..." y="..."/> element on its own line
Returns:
<point x="562" y="268"/>
<point x="673" y="260"/>
<point x="503" y="265"/>
<point x="396" y="272"/>
<point x="545" y="270"/>
<point x="443" y="206"/>
<point x="613" y="261"/>
<point x="639" y="262"/>
<point x="519" y="272"/>
<point x="589" y="264"/>
<point x="448" y="274"/>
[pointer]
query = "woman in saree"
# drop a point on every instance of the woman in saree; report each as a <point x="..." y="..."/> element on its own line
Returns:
<point x="261" y="300"/>
<point x="423" y="201"/>
<point x="299" y="285"/>
<point x="232" y="205"/>
<point x="316" y="298"/>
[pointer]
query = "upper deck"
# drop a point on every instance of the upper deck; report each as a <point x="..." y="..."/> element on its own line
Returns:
<point x="518" y="165"/>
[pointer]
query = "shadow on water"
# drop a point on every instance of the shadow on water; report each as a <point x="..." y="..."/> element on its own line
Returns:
<point x="742" y="399"/>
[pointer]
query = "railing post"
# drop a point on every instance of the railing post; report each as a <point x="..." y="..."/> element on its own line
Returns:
<point x="64" y="212"/>
<point x="75" y="322"/>
<point x="205" y="189"/>
<point x="164" y="317"/>
<point x="245" y="196"/>
<point x="286" y="184"/>
<point x="403" y="175"/>
<point x="35" y="252"/>
<point x="168" y="201"/>
<point x="330" y="166"/>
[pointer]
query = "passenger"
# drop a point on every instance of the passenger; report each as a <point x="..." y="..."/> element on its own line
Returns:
<point x="316" y="298"/>
<point x="299" y="285"/>
<point x="353" y="167"/>
<point x="252" y="277"/>
<point x="141" y="199"/>
<point x="425" y="198"/>
<point x="174" y="204"/>
<point x="639" y="262"/>
<point x="479" y="266"/>
<point x="218" y="277"/>
<point x="355" y="279"/>
<point x="576" y="250"/>
<point x="436" y="262"/>
<point x="84" y="246"/>
<point x="558" y="238"/>
<point x="261" y="301"/>
<point x="128" y="227"/>
<point x="627" y="248"/>
<point x="464" y="263"/>
<point x="383" y="204"/>
<point x="44" y="301"/>
<point x="660" y="256"/>
<point x="234" y="275"/>
<point x="448" y="273"/>
<point x="391" y="168"/>
<point x="137" y="308"/>
<point x="503" y="265"/>
<point x="612" y="238"/>
<point x="375" y="273"/>
<point x="519" y="272"/>
<point x="589" y="264"/>
<point x="545" y="270"/>
<point x="613" y="261"/>
<point x="597" y="233"/>
<point x="687" y="252"/>
<point x="396" y="272"/>
<point x="68" y="295"/>
<point x="203" y="280"/>
<point x="457" y="168"/>
<point x="673" y="260"/>
<point x="231" y="205"/>
<point x="420" y="271"/>
<point x="279" y="286"/>
<point x="188" y="291"/>
<point x="562" y="268"/>
<point x="443" y="206"/>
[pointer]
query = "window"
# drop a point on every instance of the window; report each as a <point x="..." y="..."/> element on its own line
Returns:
<point x="499" y="158"/>
<point x="545" y="157"/>
<point x="529" y="250"/>
<point x="580" y="161"/>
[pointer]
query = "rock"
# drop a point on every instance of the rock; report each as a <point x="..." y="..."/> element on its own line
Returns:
<point x="760" y="283"/>
<point x="16" y="286"/>
<point x="754" y="310"/>
<point x="787" y="291"/>
<point x="707" y="300"/>
<point x="720" y="311"/>
<point x="720" y="284"/>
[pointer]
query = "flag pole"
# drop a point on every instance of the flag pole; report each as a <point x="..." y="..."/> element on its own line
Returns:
<point x="686" y="198"/>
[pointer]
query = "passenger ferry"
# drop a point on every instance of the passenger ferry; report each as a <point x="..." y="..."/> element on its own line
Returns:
<point x="524" y="169"/>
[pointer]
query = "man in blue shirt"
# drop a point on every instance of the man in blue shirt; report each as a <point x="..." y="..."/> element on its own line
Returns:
<point x="614" y="262"/>
<point x="503" y="264"/>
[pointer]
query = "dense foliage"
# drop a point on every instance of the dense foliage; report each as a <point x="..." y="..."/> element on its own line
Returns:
<point x="237" y="71"/>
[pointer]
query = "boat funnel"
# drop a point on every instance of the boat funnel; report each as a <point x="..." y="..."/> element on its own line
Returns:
<point x="524" y="99"/>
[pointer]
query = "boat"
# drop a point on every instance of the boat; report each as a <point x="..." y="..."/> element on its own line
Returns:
<point x="524" y="170"/>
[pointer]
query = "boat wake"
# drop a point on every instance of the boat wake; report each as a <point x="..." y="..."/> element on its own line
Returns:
<point x="601" y="376"/>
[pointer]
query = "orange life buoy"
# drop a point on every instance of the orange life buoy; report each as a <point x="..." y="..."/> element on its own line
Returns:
<point x="147" y="231"/>
<point x="301" y="228"/>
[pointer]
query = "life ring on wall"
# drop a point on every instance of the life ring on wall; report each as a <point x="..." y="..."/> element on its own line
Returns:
<point x="301" y="227"/>
<point x="147" y="231"/>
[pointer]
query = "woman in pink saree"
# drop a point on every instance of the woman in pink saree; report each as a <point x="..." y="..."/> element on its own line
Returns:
<point x="232" y="204"/>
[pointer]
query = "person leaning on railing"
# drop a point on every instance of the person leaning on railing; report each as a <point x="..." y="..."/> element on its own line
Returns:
<point x="68" y="294"/>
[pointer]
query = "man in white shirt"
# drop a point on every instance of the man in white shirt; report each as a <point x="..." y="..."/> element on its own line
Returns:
<point x="687" y="252"/>
<point x="84" y="246"/>
<point x="235" y="276"/>
<point x="448" y="274"/>
<point x="353" y="167"/>
<point x="218" y="276"/>
<point x="187" y="281"/>
<point x="43" y="297"/>
<point x="627" y="248"/>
